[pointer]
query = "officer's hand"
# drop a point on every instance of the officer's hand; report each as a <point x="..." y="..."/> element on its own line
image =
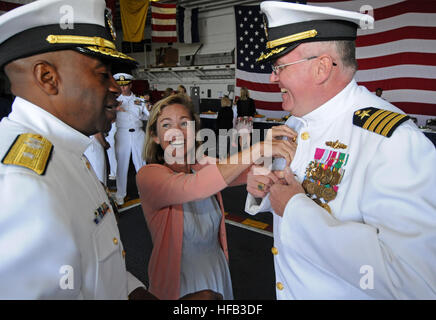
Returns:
<point x="259" y="181"/>
<point x="203" y="295"/>
<point x="280" y="194"/>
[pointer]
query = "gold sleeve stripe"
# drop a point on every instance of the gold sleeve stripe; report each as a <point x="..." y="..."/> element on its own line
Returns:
<point x="371" y="118"/>
<point x="378" y="119"/>
<point x="392" y="123"/>
<point x="385" y="122"/>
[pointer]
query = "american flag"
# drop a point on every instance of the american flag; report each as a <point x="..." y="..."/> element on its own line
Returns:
<point x="398" y="54"/>
<point x="163" y="22"/>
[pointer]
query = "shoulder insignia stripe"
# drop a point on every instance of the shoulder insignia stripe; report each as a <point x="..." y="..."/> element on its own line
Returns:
<point x="383" y="122"/>
<point x="31" y="151"/>
<point x="379" y="117"/>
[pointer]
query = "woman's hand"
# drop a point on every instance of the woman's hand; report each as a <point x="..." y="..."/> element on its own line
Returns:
<point x="275" y="148"/>
<point x="281" y="131"/>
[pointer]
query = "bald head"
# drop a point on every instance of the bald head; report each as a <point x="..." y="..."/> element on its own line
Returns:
<point x="28" y="75"/>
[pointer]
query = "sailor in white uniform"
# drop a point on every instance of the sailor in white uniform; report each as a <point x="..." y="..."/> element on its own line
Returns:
<point x="356" y="215"/>
<point x="111" y="151"/>
<point x="130" y="136"/>
<point x="58" y="233"/>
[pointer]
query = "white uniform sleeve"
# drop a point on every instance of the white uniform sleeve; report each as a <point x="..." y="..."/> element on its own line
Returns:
<point x="133" y="283"/>
<point x="397" y="237"/>
<point x="39" y="257"/>
<point x="251" y="205"/>
<point x="145" y="113"/>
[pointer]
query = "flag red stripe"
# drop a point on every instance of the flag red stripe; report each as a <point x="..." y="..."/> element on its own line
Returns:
<point x="418" y="6"/>
<point x="164" y="39"/>
<point x="426" y="33"/>
<point x="161" y="27"/>
<point x="417" y="58"/>
<point x="163" y="16"/>
<point x="6" y="6"/>
<point x="401" y="83"/>
<point x="255" y="86"/>
<point x="267" y="105"/>
<point x="164" y="5"/>
<point x="416" y="108"/>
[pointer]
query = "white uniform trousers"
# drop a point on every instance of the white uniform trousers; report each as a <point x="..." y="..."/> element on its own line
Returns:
<point x="126" y="143"/>
<point x="111" y="151"/>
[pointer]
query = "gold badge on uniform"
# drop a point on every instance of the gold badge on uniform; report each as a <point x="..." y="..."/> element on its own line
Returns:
<point x="323" y="175"/>
<point x="31" y="151"/>
<point x="336" y="144"/>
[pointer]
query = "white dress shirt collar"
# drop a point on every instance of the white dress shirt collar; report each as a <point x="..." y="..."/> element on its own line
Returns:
<point x="330" y="109"/>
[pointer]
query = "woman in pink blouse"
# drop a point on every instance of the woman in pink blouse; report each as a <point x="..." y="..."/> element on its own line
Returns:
<point x="182" y="204"/>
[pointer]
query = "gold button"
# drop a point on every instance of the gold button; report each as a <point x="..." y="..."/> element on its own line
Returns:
<point x="305" y="135"/>
<point x="280" y="286"/>
<point x="88" y="165"/>
<point x="115" y="240"/>
<point x="274" y="250"/>
<point x="124" y="253"/>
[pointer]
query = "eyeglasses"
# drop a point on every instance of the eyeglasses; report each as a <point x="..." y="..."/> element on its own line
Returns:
<point x="276" y="69"/>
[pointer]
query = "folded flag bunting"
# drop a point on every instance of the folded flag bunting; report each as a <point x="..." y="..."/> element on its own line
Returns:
<point x="133" y="16"/>
<point x="187" y="25"/>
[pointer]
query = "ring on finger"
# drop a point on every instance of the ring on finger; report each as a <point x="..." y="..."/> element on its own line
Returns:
<point x="261" y="186"/>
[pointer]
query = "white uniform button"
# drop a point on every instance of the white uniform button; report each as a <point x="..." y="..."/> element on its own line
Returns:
<point x="280" y="286"/>
<point x="305" y="135"/>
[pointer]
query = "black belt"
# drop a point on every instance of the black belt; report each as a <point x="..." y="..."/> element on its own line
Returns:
<point x="131" y="130"/>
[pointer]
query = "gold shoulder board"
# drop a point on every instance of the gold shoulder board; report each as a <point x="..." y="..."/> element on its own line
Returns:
<point x="31" y="151"/>
<point x="380" y="121"/>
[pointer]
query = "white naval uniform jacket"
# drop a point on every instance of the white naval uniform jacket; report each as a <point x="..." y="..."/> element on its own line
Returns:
<point x="134" y="114"/>
<point x="47" y="231"/>
<point x="380" y="240"/>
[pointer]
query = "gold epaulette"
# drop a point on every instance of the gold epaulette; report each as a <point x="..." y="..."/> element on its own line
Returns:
<point x="380" y="121"/>
<point x="31" y="151"/>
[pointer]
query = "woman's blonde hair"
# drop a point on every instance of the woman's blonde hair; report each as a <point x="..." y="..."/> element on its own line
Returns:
<point x="226" y="102"/>
<point x="244" y="93"/>
<point x="153" y="152"/>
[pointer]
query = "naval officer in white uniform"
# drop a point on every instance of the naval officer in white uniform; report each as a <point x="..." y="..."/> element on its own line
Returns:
<point x="129" y="136"/>
<point x="58" y="232"/>
<point x="355" y="216"/>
